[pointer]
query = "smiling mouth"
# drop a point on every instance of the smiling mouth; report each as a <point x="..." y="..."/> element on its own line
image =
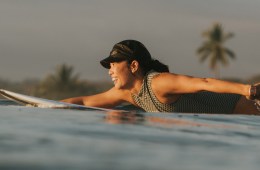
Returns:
<point x="114" y="80"/>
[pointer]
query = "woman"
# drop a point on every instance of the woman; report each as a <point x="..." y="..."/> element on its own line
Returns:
<point x="147" y="83"/>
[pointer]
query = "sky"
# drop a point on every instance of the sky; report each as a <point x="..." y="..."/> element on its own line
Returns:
<point x="38" y="35"/>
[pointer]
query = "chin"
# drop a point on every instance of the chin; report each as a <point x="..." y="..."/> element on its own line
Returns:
<point x="118" y="86"/>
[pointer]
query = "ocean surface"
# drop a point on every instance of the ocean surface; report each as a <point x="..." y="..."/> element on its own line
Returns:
<point x="59" y="139"/>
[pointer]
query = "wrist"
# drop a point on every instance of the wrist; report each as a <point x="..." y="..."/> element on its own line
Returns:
<point x="247" y="91"/>
<point x="254" y="92"/>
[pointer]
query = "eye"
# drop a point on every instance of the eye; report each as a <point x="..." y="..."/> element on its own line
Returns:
<point x="112" y="64"/>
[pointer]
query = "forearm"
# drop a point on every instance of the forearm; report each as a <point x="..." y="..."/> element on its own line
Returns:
<point x="107" y="99"/>
<point x="93" y="100"/>
<point x="74" y="100"/>
<point x="86" y="100"/>
<point x="220" y="86"/>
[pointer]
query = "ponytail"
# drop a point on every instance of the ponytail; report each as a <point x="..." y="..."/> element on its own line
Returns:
<point x="156" y="66"/>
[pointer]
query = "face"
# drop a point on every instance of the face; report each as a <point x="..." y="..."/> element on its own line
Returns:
<point x="121" y="74"/>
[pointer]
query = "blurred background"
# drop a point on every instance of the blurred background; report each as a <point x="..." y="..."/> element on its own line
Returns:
<point x="52" y="48"/>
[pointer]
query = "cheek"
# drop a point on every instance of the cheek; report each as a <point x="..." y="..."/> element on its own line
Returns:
<point x="128" y="78"/>
<point x="125" y="76"/>
<point x="122" y="70"/>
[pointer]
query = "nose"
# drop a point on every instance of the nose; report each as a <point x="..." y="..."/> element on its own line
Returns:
<point x="110" y="72"/>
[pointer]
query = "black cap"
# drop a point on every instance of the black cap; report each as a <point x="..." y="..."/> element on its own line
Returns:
<point x="127" y="50"/>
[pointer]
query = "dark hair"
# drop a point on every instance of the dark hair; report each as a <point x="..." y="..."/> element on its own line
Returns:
<point x="156" y="66"/>
<point x="134" y="50"/>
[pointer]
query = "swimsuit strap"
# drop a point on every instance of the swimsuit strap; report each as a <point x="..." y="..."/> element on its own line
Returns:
<point x="149" y="92"/>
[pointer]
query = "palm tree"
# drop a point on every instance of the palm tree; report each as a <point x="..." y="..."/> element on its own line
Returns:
<point x="214" y="49"/>
<point x="63" y="79"/>
<point x="63" y="83"/>
<point x="59" y="84"/>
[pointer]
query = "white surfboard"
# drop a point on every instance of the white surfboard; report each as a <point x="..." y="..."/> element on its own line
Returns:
<point x="45" y="103"/>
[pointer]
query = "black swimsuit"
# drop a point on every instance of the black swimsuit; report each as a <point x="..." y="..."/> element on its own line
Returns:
<point x="202" y="102"/>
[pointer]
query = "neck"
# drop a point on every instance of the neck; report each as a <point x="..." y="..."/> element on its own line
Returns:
<point x="137" y="84"/>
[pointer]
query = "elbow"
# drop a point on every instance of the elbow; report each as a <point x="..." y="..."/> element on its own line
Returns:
<point x="204" y="85"/>
<point x="205" y="80"/>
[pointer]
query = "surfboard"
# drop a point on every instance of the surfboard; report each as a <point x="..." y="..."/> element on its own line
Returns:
<point x="32" y="101"/>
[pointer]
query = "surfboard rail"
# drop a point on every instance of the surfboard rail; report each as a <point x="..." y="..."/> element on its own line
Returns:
<point x="46" y="103"/>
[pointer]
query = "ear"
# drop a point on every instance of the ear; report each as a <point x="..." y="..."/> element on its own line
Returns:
<point x="134" y="66"/>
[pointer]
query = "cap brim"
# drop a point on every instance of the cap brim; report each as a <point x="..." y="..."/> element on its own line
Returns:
<point x="110" y="59"/>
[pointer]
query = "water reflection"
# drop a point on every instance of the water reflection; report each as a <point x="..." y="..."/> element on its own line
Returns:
<point x="117" y="117"/>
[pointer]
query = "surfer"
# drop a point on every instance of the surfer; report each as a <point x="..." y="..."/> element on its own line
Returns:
<point x="147" y="83"/>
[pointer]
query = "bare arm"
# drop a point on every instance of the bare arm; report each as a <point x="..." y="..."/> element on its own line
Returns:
<point x="108" y="99"/>
<point x="178" y="84"/>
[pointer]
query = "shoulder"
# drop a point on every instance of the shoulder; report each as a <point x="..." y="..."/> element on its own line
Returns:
<point x="162" y="78"/>
<point x="164" y="82"/>
<point x="165" y="78"/>
<point x="170" y="83"/>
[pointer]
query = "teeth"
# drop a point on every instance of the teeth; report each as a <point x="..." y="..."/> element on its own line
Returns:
<point x="114" y="79"/>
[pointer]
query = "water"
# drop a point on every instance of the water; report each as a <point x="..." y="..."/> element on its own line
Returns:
<point x="34" y="138"/>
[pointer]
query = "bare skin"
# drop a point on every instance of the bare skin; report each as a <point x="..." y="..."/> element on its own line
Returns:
<point x="167" y="87"/>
